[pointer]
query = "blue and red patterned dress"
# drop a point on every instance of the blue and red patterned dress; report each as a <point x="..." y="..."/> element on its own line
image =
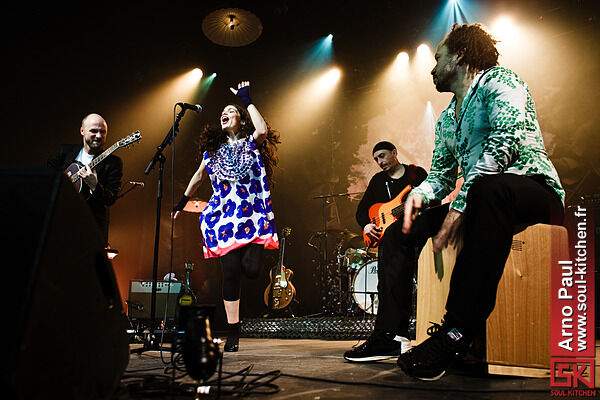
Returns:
<point x="240" y="209"/>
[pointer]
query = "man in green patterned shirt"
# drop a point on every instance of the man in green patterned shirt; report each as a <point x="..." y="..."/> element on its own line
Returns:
<point x="489" y="132"/>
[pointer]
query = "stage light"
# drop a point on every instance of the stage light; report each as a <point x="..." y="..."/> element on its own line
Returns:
<point x="423" y="50"/>
<point x="428" y="121"/>
<point x="402" y="59"/>
<point x="312" y="94"/>
<point x="424" y="61"/>
<point x="204" y="86"/>
<point x="399" y="68"/>
<point x="319" y="54"/>
<point x="193" y="340"/>
<point x="504" y="29"/>
<point x="208" y="80"/>
<point x="190" y="79"/>
<point x="329" y="78"/>
<point x="453" y="12"/>
<point x="196" y="74"/>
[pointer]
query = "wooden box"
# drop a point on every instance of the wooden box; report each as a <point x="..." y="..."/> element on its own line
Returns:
<point x="518" y="329"/>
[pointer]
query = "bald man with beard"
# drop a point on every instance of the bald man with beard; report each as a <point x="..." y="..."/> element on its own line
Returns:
<point x="101" y="185"/>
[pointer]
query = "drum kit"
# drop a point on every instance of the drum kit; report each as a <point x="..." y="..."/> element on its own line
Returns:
<point x="346" y="273"/>
<point x="360" y="265"/>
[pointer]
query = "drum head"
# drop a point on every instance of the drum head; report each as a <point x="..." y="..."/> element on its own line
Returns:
<point x="364" y="287"/>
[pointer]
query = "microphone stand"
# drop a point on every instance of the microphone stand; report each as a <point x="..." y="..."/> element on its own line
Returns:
<point x="160" y="158"/>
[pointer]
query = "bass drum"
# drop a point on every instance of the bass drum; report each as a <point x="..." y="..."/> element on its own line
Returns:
<point x="364" y="287"/>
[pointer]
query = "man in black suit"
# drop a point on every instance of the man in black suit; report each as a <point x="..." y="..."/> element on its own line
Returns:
<point x="101" y="185"/>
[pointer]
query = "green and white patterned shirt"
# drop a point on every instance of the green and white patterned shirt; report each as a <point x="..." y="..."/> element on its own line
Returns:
<point x="499" y="133"/>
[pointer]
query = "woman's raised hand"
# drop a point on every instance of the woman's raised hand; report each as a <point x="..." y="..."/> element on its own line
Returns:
<point x="243" y="93"/>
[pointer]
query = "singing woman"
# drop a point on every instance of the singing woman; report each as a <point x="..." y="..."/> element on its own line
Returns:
<point x="238" y="222"/>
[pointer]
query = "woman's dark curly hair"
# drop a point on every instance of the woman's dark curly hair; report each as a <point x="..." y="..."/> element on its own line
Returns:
<point x="477" y="47"/>
<point x="212" y="137"/>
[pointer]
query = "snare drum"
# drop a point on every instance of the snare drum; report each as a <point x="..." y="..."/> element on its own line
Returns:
<point x="364" y="287"/>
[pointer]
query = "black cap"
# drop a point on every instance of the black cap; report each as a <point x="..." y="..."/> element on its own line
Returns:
<point x="384" y="145"/>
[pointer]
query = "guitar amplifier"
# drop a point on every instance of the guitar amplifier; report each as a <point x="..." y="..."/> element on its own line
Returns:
<point x="140" y="294"/>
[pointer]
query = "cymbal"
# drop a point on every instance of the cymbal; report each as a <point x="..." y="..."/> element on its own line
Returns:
<point x="195" y="205"/>
<point x="232" y="27"/>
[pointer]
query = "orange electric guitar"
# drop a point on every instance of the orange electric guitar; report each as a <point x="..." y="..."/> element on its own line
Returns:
<point x="385" y="214"/>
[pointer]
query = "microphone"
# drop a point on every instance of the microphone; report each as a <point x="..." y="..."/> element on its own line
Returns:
<point x="140" y="184"/>
<point x="187" y="106"/>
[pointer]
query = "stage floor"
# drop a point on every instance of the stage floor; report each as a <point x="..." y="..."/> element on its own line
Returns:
<point x="321" y="359"/>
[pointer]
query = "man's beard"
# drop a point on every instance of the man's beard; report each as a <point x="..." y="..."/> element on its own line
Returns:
<point x="442" y="83"/>
<point x="95" y="147"/>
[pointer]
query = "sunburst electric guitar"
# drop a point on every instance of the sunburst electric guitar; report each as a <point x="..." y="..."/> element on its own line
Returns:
<point x="280" y="292"/>
<point x="73" y="171"/>
<point x="385" y="214"/>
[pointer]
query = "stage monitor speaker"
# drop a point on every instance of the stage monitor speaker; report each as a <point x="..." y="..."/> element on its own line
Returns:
<point x="66" y="330"/>
<point x="139" y="301"/>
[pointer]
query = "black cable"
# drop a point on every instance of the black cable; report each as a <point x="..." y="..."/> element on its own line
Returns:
<point x="134" y="371"/>
<point x="159" y="384"/>
<point x="155" y="385"/>
<point x="412" y="386"/>
<point x="262" y="383"/>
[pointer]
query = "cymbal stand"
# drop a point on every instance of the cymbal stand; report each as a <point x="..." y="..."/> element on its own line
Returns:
<point x="330" y="287"/>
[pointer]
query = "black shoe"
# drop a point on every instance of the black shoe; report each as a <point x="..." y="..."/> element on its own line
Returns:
<point x="379" y="346"/>
<point x="430" y="360"/>
<point x="232" y="344"/>
<point x="233" y="338"/>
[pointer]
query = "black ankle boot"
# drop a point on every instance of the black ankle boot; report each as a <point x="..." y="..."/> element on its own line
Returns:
<point x="233" y="338"/>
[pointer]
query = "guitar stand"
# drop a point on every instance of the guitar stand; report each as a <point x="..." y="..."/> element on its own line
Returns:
<point x="287" y="312"/>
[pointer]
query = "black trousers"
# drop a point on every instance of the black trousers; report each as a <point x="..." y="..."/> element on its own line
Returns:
<point x="245" y="260"/>
<point x="497" y="206"/>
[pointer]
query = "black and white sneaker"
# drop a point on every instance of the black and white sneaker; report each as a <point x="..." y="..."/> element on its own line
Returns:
<point x="379" y="346"/>
<point x="430" y="360"/>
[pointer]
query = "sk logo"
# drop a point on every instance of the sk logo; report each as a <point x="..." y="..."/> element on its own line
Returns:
<point x="568" y="372"/>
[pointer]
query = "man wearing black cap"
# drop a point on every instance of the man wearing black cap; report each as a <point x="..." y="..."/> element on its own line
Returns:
<point x="394" y="272"/>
